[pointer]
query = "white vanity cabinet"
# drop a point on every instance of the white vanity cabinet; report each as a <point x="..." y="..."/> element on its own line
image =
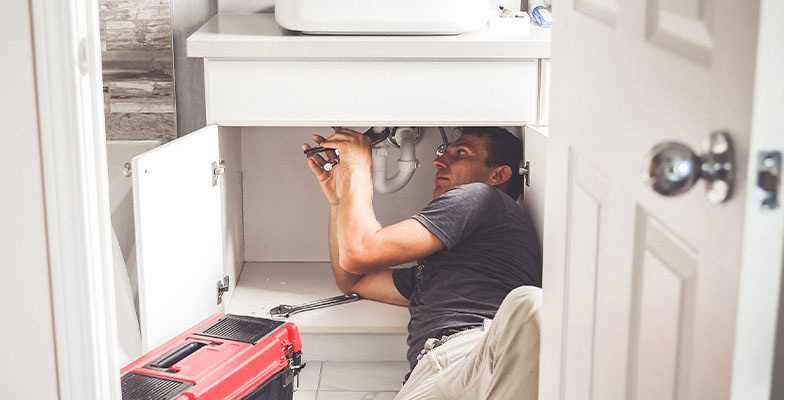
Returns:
<point x="257" y="74"/>
<point x="189" y="215"/>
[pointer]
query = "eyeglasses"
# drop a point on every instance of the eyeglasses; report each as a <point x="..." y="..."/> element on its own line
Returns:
<point x="441" y="150"/>
<point x="442" y="147"/>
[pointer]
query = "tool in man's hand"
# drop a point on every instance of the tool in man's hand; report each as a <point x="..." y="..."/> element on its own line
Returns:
<point x="376" y="138"/>
<point x="286" y="310"/>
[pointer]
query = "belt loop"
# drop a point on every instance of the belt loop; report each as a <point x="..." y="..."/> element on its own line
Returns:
<point x="430" y="344"/>
<point x="487" y="323"/>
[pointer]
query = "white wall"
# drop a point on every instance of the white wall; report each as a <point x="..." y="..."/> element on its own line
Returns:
<point x="28" y="369"/>
<point x="285" y="213"/>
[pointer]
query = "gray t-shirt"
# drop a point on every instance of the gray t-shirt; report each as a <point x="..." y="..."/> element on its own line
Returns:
<point x="491" y="248"/>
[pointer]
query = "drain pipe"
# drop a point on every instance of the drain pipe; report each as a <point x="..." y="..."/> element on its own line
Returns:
<point x="405" y="138"/>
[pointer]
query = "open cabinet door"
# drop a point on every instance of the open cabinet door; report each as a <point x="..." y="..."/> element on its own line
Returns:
<point x="177" y="209"/>
<point x="535" y="155"/>
<point x="650" y="296"/>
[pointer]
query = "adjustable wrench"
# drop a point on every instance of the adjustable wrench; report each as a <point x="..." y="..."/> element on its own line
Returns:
<point x="376" y="138"/>
<point x="286" y="310"/>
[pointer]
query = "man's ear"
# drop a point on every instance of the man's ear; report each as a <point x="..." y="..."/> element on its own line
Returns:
<point x="500" y="175"/>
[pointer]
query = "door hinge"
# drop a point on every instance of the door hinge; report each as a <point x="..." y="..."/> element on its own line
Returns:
<point x="768" y="179"/>
<point x="222" y="287"/>
<point x="524" y="170"/>
<point x="217" y="170"/>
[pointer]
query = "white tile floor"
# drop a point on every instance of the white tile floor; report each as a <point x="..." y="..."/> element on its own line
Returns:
<point x="351" y="380"/>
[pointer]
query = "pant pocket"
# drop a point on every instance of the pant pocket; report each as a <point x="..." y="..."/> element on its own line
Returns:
<point x="463" y="382"/>
<point x="437" y="358"/>
<point x="466" y="367"/>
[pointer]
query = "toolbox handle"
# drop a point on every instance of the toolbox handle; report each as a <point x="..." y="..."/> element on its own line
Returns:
<point x="178" y="354"/>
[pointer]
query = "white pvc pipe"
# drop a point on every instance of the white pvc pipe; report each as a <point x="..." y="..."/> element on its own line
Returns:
<point x="405" y="165"/>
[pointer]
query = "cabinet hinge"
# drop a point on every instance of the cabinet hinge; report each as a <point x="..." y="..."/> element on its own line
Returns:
<point x="524" y="170"/>
<point x="222" y="287"/>
<point x="217" y="170"/>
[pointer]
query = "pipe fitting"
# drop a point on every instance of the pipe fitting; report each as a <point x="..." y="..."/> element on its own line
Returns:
<point x="405" y="139"/>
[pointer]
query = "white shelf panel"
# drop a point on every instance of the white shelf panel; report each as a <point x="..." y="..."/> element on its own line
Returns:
<point x="262" y="286"/>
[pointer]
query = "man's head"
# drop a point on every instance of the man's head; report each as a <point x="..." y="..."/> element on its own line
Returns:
<point x="481" y="154"/>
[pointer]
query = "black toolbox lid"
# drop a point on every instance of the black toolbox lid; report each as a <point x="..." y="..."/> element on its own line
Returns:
<point x="144" y="387"/>
<point x="241" y="328"/>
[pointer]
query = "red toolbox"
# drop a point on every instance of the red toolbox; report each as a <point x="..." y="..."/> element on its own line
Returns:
<point x="224" y="357"/>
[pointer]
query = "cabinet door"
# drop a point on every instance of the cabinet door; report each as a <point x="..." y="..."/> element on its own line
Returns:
<point x="535" y="147"/>
<point x="177" y="209"/>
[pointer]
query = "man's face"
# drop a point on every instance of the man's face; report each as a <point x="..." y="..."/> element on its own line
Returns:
<point x="463" y="162"/>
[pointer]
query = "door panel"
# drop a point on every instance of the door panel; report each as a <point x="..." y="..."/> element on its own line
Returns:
<point x="643" y="288"/>
<point x="603" y="10"/>
<point x="682" y="27"/>
<point x="664" y="288"/>
<point x="586" y="204"/>
<point x="659" y="321"/>
<point x="178" y="235"/>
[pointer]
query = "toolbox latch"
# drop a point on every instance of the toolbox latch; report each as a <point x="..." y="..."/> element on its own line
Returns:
<point x="295" y="365"/>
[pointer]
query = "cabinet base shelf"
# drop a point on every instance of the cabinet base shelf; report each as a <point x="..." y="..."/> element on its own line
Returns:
<point x="262" y="286"/>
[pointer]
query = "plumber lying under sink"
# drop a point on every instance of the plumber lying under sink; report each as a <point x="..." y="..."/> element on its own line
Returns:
<point x="474" y="295"/>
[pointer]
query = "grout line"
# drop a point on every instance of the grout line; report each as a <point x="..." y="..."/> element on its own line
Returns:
<point x="359" y="390"/>
<point x="319" y="379"/>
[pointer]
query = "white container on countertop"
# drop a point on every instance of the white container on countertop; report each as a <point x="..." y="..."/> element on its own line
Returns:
<point x="381" y="17"/>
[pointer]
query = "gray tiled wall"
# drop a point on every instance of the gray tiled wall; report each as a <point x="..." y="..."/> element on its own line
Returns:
<point x="138" y="73"/>
<point x="187" y="17"/>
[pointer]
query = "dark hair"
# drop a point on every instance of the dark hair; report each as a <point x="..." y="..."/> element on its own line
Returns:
<point x="504" y="149"/>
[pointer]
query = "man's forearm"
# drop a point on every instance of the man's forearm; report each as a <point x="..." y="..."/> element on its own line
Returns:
<point x="345" y="280"/>
<point x="356" y="222"/>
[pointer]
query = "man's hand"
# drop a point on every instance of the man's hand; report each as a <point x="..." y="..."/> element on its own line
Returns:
<point x="355" y="153"/>
<point x="327" y="179"/>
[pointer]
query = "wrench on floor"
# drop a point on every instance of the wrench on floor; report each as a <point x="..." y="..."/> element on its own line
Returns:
<point x="286" y="310"/>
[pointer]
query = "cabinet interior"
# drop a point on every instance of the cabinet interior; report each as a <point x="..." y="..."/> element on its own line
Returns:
<point x="272" y="220"/>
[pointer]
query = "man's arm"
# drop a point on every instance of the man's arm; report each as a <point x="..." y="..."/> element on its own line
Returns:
<point x="378" y="286"/>
<point x="363" y="271"/>
<point x="364" y="246"/>
<point x="345" y="280"/>
<point x="371" y="251"/>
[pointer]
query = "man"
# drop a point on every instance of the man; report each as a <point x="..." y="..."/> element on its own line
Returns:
<point x="474" y="329"/>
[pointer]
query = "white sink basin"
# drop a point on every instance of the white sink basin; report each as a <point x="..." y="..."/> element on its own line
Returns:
<point x="382" y="17"/>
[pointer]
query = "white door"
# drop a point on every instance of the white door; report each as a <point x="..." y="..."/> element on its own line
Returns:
<point x="177" y="209"/>
<point x="642" y="290"/>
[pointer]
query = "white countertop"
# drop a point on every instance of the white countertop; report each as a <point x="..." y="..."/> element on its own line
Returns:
<point x="258" y="36"/>
<point x="262" y="286"/>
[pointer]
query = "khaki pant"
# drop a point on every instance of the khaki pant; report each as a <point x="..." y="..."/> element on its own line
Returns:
<point x="498" y="361"/>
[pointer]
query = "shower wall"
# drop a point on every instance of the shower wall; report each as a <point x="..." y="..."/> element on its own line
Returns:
<point x="151" y="89"/>
<point x="138" y="73"/>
